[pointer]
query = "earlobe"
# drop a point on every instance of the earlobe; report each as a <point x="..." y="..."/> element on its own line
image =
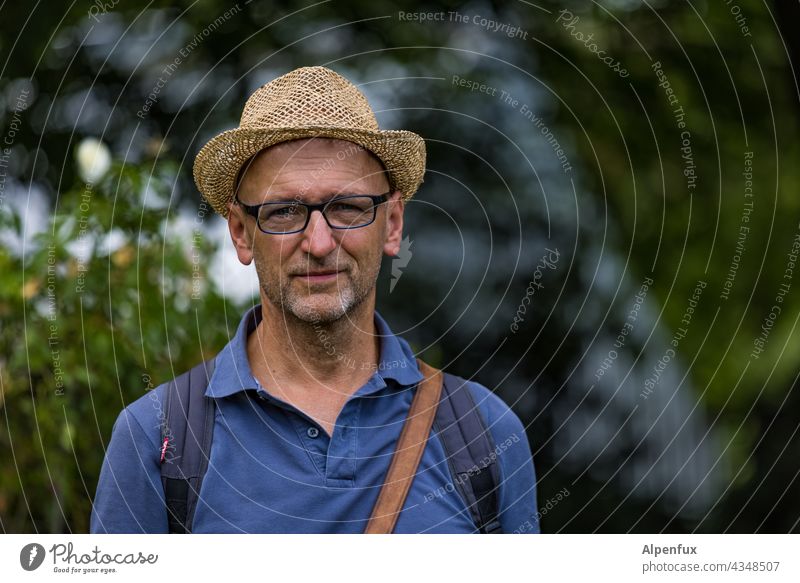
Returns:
<point x="245" y="254"/>
<point x="242" y="242"/>
<point x="391" y="249"/>
<point x="394" y="225"/>
<point x="394" y="234"/>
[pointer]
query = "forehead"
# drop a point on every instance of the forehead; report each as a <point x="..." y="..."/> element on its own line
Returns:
<point x="311" y="168"/>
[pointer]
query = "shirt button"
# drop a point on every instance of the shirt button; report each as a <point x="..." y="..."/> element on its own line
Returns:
<point x="312" y="432"/>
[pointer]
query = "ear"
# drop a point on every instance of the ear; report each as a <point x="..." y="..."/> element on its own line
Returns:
<point x="241" y="235"/>
<point x="395" y="206"/>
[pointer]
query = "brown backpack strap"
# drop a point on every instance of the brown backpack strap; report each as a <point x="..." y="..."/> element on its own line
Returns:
<point x="406" y="458"/>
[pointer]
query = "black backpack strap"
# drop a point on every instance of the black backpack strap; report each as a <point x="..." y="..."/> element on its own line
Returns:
<point x="187" y="427"/>
<point x="470" y="452"/>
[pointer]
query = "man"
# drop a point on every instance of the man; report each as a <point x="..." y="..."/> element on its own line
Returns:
<point x="313" y="390"/>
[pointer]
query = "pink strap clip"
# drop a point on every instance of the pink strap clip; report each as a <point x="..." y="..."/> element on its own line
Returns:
<point x="164" y="449"/>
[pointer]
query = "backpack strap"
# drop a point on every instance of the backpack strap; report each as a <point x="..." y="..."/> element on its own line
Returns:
<point x="470" y="452"/>
<point x="186" y="430"/>
<point x="408" y="452"/>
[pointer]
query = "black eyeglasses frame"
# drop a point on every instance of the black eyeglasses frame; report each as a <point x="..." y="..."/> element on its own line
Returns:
<point x="254" y="210"/>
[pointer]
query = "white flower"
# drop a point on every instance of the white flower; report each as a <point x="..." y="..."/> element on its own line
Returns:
<point x="94" y="159"/>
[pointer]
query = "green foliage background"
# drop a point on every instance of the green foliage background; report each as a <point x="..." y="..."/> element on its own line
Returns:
<point x="132" y="325"/>
<point x="107" y="323"/>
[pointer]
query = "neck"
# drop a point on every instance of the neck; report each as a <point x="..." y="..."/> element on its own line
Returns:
<point x="285" y="351"/>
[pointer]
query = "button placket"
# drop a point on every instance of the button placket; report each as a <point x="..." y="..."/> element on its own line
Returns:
<point x="315" y="446"/>
<point x="341" y="463"/>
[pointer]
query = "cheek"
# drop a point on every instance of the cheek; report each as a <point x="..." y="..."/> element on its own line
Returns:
<point x="361" y="247"/>
<point x="272" y="259"/>
<point x="285" y="251"/>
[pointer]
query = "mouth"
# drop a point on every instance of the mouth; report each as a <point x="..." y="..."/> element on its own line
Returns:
<point x="318" y="276"/>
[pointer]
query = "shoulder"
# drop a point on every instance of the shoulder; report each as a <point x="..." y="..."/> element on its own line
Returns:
<point x="144" y="416"/>
<point x="517" y="492"/>
<point x="129" y="486"/>
<point x="501" y="421"/>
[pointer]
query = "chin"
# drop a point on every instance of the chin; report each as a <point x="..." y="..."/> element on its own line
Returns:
<point x="320" y="308"/>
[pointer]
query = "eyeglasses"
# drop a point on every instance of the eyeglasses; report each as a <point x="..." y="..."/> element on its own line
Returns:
<point x="343" y="212"/>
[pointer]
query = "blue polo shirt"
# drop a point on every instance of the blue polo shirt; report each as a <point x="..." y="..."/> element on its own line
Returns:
<point x="273" y="469"/>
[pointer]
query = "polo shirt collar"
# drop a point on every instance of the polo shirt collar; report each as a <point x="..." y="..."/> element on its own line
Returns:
<point x="232" y="372"/>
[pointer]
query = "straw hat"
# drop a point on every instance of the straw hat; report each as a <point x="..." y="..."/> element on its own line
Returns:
<point x="304" y="103"/>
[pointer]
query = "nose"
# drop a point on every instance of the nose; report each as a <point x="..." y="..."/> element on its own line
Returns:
<point x="318" y="237"/>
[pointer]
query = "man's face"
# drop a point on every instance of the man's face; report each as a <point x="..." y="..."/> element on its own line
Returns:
<point x="314" y="171"/>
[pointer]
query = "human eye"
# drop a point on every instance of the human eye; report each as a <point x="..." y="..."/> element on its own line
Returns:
<point x="281" y="211"/>
<point x="350" y="203"/>
<point x="343" y="206"/>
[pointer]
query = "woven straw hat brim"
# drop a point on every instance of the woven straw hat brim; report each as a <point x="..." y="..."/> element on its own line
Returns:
<point x="218" y="163"/>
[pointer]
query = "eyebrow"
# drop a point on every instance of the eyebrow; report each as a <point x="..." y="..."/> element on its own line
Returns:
<point x="321" y="201"/>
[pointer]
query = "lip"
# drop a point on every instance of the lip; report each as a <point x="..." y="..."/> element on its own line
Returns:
<point x="312" y="278"/>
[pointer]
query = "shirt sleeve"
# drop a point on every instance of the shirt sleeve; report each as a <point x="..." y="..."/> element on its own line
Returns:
<point x="517" y="491"/>
<point x="130" y="497"/>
